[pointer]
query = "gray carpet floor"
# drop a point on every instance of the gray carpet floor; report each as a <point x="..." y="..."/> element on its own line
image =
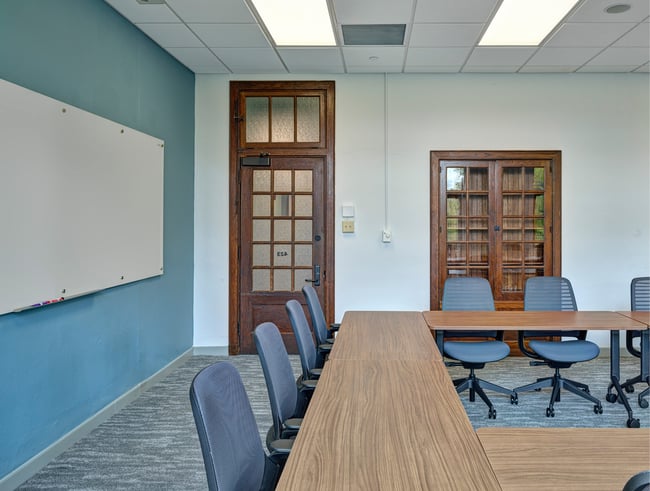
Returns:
<point x="152" y="444"/>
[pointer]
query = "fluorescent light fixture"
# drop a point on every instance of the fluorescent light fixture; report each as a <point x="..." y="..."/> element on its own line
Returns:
<point x="297" y="22"/>
<point x="525" y="22"/>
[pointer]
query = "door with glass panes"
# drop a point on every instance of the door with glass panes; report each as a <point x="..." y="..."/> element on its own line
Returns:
<point x="495" y="215"/>
<point x="282" y="202"/>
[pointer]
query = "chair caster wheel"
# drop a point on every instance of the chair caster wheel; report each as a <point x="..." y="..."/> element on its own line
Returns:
<point x="492" y="413"/>
<point x="643" y="402"/>
<point x="611" y="397"/>
<point x="629" y="388"/>
<point x="514" y="399"/>
<point x="550" y="412"/>
<point x="633" y="423"/>
<point x="598" y="409"/>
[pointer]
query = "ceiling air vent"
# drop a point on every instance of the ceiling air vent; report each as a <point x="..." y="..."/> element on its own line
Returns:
<point x="373" y="34"/>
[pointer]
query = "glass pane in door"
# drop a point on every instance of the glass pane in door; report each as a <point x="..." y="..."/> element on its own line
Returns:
<point x="282" y="119"/>
<point x="282" y="247"/>
<point x="308" y="115"/>
<point x="257" y="119"/>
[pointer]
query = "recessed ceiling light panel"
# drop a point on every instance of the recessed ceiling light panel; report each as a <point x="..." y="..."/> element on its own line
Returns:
<point x="525" y="22"/>
<point x="297" y="22"/>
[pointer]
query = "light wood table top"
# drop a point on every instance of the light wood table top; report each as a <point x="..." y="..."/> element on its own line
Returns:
<point x="566" y="458"/>
<point x="638" y="315"/>
<point x="514" y="320"/>
<point x="386" y="425"/>
<point x="384" y="336"/>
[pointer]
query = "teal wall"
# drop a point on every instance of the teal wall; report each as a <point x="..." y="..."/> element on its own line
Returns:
<point x="62" y="363"/>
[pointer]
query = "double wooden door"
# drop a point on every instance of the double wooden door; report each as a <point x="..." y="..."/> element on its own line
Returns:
<point x="495" y="215"/>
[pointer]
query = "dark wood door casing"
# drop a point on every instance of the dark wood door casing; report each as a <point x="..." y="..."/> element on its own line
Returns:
<point x="323" y="149"/>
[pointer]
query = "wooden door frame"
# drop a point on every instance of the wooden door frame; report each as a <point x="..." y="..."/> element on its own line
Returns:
<point x="555" y="156"/>
<point x="327" y="274"/>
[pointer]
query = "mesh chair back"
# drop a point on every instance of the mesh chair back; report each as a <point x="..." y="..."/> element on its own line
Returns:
<point x="550" y="293"/>
<point x="468" y="293"/>
<point x="316" y="313"/>
<point x="304" y="339"/>
<point x="640" y="293"/>
<point x="280" y="382"/>
<point x="230" y="442"/>
<point x="640" y="300"/>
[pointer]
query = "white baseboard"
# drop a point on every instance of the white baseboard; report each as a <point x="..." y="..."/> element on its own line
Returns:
<point x="21" y="474"/>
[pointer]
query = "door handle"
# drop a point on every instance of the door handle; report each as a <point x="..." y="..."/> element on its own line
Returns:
<point x="316" y="279"/>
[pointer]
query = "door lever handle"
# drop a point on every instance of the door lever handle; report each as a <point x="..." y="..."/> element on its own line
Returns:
<point x="316" y="280"/>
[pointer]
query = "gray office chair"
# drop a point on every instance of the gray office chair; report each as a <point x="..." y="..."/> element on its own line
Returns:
<point x="288" y="403"/>
<point x="555" y="293"/>
<point x="309" y="360"/>
<point x="638" y="482"/>
<point x="230" y="442"/>
<point x="469" y="293"/>
<point x="318" y="323"/>
<point x="640" y="300"/>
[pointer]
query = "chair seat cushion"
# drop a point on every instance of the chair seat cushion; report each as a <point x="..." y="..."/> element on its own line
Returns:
<point x="565" y="351"/>
<point x="476" y="352"/>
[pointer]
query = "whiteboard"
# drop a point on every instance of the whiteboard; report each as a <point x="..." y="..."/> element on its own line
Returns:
<point x="81" y="201"/>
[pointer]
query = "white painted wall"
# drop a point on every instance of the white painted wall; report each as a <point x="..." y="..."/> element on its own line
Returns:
<point x="600" y="122"/>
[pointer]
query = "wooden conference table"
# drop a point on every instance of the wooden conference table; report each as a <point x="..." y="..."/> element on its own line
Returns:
<point x="565" y="458"/>
<point x="386" y="416"/>
<point x="554" y="321"/>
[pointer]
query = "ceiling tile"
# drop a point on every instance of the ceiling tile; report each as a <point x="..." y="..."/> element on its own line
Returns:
<point x="438" y="35"/>
<point x="622" y="57"/>
<point x="490" y="68"/>
<point x="594" y="11"/>
<point x="436" y="57"/>
<point x="250" y="60"/>
<point x="136" y="12"/>
<point x="213" y="11"/>
<point x="312" y="60"/>
<point x="374" y="56"/>
<point x="459" y="11"/>
<point x="589" y="34"/>
<point x="373" y="11"/>
<point x="562" y="56"/>
<point x="638" y="37"/>
<point x="548" y="68"/>
<point x="171" y="35"/>
<point x="199" y="60"/>
<point x="231" y="35"/>
<point x="497" y="57"/>
<point x="607" y="68"/>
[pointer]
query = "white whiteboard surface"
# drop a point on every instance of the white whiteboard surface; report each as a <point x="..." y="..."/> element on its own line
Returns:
<point x="81" y="201"/>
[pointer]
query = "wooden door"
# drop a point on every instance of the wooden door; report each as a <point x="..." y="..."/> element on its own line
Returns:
<point x="282" y="247"/>
<point x="282" y="201"/>
<point x="495" y="215"/>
